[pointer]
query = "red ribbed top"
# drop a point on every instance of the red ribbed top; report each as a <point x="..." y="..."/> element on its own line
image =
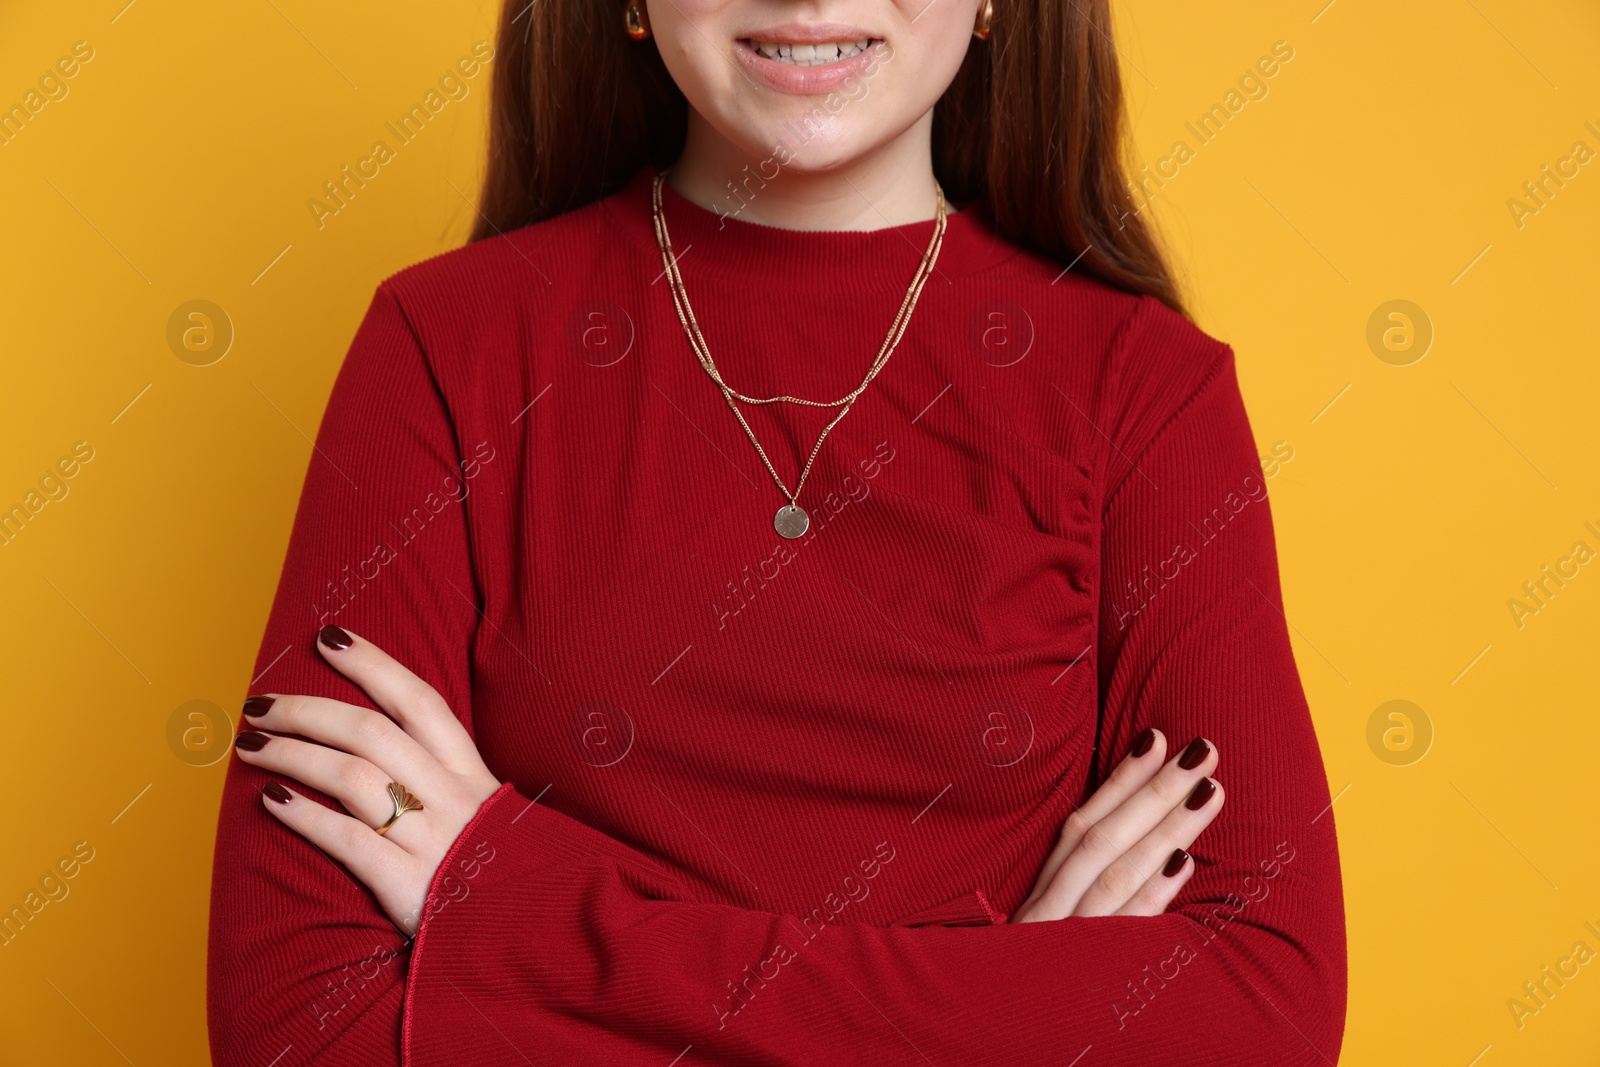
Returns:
<point x="769" y="802"/>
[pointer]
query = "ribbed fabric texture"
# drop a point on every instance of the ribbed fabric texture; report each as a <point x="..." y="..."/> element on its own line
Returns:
<point x="770" y="802"/>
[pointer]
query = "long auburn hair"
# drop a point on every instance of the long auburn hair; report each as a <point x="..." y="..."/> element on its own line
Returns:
<point x="1034" y="122"/>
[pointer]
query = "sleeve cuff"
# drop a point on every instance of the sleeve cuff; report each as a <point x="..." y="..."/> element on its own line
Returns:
<point x="969" y="909"/>
<point x="471" y="851"/>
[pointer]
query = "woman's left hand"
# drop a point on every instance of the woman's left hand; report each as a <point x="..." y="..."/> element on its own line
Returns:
<point x="352" y="754"/>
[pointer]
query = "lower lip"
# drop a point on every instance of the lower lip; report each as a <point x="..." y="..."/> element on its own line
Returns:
<point x="805" y="81"/>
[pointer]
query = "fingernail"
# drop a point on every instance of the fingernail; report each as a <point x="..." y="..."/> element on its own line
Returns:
<point x="251" y="741"/>
<point x="1194" y="755"/>
<point x="255" y="707"/>
<point x="274" y="791"/>
<point x="1200" y="794"/>
<point x="1143" y="743"/>
<point x="334" y="638"/>
<point x="1175" y="863"/>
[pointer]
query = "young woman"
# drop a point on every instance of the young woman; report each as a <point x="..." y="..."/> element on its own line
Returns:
<point x="783" y="592"/>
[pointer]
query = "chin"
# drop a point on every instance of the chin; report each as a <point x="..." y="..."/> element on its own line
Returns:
<point x="797" y="141"/>
<point x="819" y="155"/>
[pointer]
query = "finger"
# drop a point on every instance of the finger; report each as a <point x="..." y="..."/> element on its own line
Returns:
<point x="1127" y="779"/>
<point x="1113" y="835"/>
<point x="379" y="864"/>
<point x="1141" y="763"/>
<point x="362" y="732"/>
<point x="410" y="701"/>
<point x="1126" y="875"/>
<point x="1161" y="888"/>
<point x="361" y="786"/>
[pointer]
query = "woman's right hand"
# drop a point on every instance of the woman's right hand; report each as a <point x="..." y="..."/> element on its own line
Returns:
<point x="1123" y="851"/>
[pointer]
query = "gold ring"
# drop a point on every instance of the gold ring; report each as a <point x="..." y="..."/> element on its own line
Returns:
<point x="404" y="801"/>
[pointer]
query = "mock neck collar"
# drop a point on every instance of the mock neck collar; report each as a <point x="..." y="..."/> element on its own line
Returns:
<point x="721" y="243"/>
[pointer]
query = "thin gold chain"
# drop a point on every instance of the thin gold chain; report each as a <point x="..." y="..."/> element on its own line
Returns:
<point x="697" y="341"/>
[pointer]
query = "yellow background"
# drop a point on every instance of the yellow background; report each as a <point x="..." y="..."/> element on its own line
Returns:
<point x="1378" y="167"/>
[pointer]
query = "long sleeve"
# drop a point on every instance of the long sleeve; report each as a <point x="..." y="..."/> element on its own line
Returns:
<point x="556" y="944"/>
<point x="547" y="940"/>
<point x="302" y="962"/>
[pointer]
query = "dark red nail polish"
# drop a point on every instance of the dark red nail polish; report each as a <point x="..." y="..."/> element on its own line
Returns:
<point x="251" y="741"/>
<point x="1201" y="793"/>
<point x="274" y="791"/>
<point x="1143" y="743"/>
<point x="1175" y="863"/>
<point x="334" y="638"/>
<point x="1194" y="755"/>
<point x="257" y="706"/>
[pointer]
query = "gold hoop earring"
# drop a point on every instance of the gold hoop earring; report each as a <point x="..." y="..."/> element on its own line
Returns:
<point x="636" y="20"/>
<point x="985" y="17"/>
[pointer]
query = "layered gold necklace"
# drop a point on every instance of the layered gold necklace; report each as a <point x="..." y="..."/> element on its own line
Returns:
<point x="791" y="520"/>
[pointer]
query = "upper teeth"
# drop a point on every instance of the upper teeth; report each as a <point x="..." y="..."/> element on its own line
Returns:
<point x="811" y="55"/>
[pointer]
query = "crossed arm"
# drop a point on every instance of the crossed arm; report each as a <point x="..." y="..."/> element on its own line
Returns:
<point x="492" y="929"/>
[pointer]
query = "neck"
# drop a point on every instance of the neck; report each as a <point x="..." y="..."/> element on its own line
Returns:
<point x="890" y="186"/>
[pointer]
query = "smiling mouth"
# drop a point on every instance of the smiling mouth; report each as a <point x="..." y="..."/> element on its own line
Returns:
<point x="809" y="55"/>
